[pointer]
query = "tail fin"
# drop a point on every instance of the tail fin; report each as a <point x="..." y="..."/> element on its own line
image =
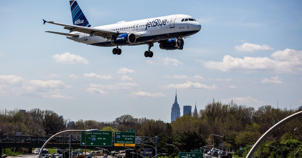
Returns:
<point x="78" y="17"/>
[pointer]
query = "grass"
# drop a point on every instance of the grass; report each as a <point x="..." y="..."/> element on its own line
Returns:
<point x="9" y="152"/>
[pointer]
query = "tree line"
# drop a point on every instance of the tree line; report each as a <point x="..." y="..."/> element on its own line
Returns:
<point x="227" y="126"/>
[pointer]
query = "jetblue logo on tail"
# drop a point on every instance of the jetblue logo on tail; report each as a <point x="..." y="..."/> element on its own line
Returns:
<point x="79" y="21"/>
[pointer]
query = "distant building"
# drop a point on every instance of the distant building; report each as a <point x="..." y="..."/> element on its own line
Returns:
<point x="195" y="113"/>
<point x="187" y="110"/>
<point x="175" y="112"/>
<point x="300" y="108"/>
<point x="22" y="111"/>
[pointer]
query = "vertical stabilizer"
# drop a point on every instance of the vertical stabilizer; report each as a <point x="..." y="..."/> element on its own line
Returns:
<point x="78" y="17"/>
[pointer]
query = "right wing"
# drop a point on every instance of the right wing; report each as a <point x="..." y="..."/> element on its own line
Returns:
<point x="92" y="31"/>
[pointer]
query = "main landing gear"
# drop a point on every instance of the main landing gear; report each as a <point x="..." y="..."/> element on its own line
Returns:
<point x="117" y="51"/>
<point x="149" y="53"/>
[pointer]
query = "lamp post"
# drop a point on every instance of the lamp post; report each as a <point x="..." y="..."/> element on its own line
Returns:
<point x="65" y="131"/>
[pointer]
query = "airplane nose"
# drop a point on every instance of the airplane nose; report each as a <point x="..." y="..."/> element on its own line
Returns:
<point x="197" y="27"/>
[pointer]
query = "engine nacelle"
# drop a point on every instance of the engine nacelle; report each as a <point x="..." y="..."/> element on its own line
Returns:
<point x="125" y="39"/>
<point x="171" y="44"/>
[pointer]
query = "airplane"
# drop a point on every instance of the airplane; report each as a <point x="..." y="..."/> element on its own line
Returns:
<point x="168" y="31"/>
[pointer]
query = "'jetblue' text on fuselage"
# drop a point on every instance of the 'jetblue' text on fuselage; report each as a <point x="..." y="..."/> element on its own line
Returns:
<point x="155" y="23"/>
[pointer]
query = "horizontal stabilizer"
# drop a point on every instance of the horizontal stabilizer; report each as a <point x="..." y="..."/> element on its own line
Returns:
<point x="64" y="34"/>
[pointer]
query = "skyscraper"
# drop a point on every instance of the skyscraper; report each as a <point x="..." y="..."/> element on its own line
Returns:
<point x="195" y="114"/>
<point x="175" y="112"/>
<point x="187" y="110"/>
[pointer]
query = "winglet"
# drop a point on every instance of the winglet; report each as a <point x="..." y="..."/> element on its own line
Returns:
<point x="44" y="21"/>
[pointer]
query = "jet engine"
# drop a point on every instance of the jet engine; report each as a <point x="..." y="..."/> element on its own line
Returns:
<point x="125" y="39"/>
<point x="171" y="44"/>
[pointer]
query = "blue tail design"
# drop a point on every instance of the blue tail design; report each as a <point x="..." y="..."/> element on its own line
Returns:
<point x="78" y="17"/>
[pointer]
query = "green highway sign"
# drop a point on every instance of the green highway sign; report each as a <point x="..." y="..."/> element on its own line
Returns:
<point x="124" y="138"/>
<point x="190" y="155"/>
<point x="96" y="138"/>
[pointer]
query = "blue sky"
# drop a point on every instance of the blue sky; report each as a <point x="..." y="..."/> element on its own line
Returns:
<point x="247" y="51"/>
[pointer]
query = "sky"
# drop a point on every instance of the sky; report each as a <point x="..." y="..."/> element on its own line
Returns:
<point x="247" y="51"/>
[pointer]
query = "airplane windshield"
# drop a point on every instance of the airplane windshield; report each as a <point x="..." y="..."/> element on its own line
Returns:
<point x="187" y="19"/>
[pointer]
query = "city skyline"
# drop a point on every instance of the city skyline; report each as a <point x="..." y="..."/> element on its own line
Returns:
<point x="247" y="51"/>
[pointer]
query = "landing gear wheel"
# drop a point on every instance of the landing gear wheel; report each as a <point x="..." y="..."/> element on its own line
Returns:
<point x="117" y="51"/>
<point x="180" y="43"/>
<point x="148" y="54"/>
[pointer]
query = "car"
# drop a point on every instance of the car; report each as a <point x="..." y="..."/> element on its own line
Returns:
<point x="36" y="151"/>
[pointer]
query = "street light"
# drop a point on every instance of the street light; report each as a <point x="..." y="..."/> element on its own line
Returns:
<point x="65" y="131"/>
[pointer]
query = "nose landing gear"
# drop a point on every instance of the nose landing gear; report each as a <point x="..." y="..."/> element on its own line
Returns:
<point x="180" y="43"/>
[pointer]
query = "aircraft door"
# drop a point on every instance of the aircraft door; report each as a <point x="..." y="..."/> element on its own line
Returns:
<point x="172" y="23"/>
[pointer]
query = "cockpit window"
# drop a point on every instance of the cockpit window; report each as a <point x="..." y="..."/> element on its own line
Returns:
<point x="187" y="19"/>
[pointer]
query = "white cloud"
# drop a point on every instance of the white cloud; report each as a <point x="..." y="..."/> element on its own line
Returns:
<point x="47" y="84"/>
<point x="244" y="101"/>
<point x="12" y="85"/>
<point x="73" y="76"/>
<point x="170" y="61"/>
<point x="250" y="47"/>
<point x="178" y="77"/>
<point x="274" y="80"/>
<point x="223" y="79"/>
<point x="125" y="70"/>
<point x="126" y="78"/>
<point x="287" y="60"/>
<point x="97" y="76"/>
<point x="95" y="89"/>
<point x="190" y="84"/>
<point x="103" y="89"/>
<point x="148" y="94"/>
<point x="10" y="79"/>
<point x="198" y="77"/>
<point x="46" y="88"/>
<point x="182" y="77"/>
<point x="165" y="61"/>
<point x="232" y="86"/>
<point x="68" y="58"/>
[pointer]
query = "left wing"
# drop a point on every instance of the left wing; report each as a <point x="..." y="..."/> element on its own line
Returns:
<point x="64" y="34"/>
<point x="92" y="31"/>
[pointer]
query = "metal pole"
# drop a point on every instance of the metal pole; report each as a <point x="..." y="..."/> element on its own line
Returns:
<point x="70" y="139"/>
<point x="156" y="145"/>
<point x="85" y="146"/>
<point x="259" y="141"/>
<point x="65" y="131"/>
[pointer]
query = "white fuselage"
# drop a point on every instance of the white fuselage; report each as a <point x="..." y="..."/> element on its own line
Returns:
<point x="146" y="31"/>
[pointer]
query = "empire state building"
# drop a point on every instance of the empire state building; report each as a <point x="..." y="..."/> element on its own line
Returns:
<point x="175" y="112"/>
